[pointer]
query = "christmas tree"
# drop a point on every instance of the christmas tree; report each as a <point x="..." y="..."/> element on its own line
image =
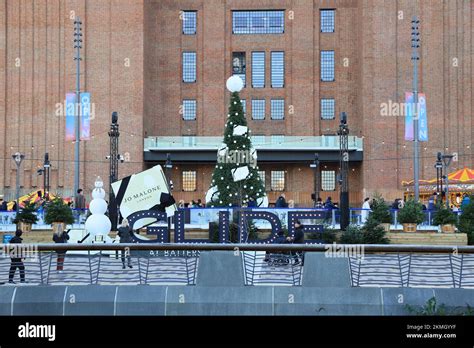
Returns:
<point x="235" y="180"/>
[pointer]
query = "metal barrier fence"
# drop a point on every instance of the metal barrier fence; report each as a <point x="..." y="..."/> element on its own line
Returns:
<point x="203" y="216"/>
<point x="177" y="264"/>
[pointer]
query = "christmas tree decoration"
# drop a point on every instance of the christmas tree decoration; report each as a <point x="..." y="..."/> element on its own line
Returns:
<point x="235" y="179"/>
<point x="240" y="130"/>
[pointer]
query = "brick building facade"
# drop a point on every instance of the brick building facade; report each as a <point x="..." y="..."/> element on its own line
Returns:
<point x="162" y="64"/>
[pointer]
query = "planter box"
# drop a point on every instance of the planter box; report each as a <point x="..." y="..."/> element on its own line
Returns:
<point x="447" y="228"/>
<point x="409" y="228"/>
<point x="385" y="226"/>
<point x="25" y="227"/>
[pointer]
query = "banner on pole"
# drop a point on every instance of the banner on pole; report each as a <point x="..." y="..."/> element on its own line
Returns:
<point x="85" y="116"/>
<point x="422" y="119"/>
<point x="410" y="110"/>
<point x="70" y="116"/>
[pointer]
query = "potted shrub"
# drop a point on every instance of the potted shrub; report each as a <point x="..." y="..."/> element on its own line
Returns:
<point x="57" y="212"/>
<point x="446" y="219"/>
<point x="381" y="213"/>
<point x="466" y="221"/>
<point x="411" y="215"/>
<point x="26" y="217"/>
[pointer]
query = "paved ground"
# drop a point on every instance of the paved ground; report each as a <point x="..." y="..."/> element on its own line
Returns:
<point x="375" y="270"/>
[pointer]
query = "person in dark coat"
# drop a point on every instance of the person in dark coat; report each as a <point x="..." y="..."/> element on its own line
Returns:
<point x="125" y="234"/>
<point x="60" y="237"/>
<point x="3" y="205"/>
<point x="281" y="202"/>
<point x="298" y="238"/>
<point x="16" y="262"/>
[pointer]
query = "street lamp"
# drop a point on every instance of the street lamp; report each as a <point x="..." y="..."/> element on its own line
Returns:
<point x="439" y="175"/>
<point x="446" y="162"/>
<point x="18" y="158"/>
<point x="45" y="172"/>
<point x="315" y="166"/>
<point x="168" y="168"/>
<point x="114" y="157"/>
<point x="343" y="133"/>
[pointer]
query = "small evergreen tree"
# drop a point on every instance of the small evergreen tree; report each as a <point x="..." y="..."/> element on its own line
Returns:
<point x="380" y="211"/>
<point x="411" y="213"/>
<point x="58" y="211"/>
<point x="27" y="214"/>
<point x="236" y="153"/>
<point x="373" y="233"/>
<point x="466" y="221"/>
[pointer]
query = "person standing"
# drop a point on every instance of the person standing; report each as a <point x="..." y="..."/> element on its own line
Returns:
<point x="432" y="201"/>
<point x="365" y="210"/>
<point x="16" y="262"/>
<point x="281" y="202"/>
<point x="125" y="234"/>
<point x="298" y="238"/>
<point x="80" y="200"/>
<point x="465" y="202"/>
<point x="60" y="237"/>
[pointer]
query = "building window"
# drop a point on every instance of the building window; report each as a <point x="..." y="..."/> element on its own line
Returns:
<point x="189" y="109"/>
<point x="189" y="180"/>
<point x="328" y="180"/>
<point x="261" y="174"/>
<point x="258" y="139"/>
<point x="277" y="109"/>
<point x="189" y="66"/>
<point x="258" y="69"/>
<point x="258" y="22"/>
<point x="327" y="21"/>
<point x="258" y="109"/>
<point x="238" y="65"/>
<point x="189" y="22"/>
<point x="278" y="69"/>
<point x="328" y="109"/>
<point x="278" y="180"/>
<point x="327" y="65"/>
<point x="244" y="106"/>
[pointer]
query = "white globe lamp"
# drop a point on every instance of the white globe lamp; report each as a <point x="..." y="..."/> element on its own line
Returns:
<point x="234" y="84"/>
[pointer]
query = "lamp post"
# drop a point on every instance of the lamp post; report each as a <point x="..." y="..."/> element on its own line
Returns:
<point x="415" y="44"/>
<point x="18" y="158"/>
<point x="439" y="176"/>
<point x="168" y="168"/>
<point x="114" y="157"/>
<point x="446" y="162"/>
<point x="77" y="58"/>
<point x="315" y="166"/>
<point x="45" y="172"/>
<point x="343" y="133"/>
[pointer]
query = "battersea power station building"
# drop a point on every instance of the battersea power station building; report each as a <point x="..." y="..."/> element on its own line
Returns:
<point x="162" y="65"/>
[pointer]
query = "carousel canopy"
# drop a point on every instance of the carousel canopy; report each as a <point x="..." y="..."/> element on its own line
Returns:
<point x="32" y="197"/>
<point x="461" y="176"/>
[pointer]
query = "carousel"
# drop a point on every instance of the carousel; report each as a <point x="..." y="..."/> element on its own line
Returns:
<point x="460" y="182"/>
<point x="37" y="197"/>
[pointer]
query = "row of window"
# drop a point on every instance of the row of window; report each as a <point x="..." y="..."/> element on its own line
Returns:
<point x="277" y="177"/>
<point x="277" y="109"/>
<point x="258" y="22"/>
<point x="277" y="68"/>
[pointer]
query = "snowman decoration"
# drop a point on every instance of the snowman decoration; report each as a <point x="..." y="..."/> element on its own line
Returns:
<point x="98" y="225"/>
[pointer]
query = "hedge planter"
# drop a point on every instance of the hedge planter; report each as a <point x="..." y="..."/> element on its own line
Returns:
<point x="411" y="228"/>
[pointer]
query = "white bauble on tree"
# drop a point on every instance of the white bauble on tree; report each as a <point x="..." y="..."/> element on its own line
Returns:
<point x="234" y="84"/>
<point x="98" y="206"/>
